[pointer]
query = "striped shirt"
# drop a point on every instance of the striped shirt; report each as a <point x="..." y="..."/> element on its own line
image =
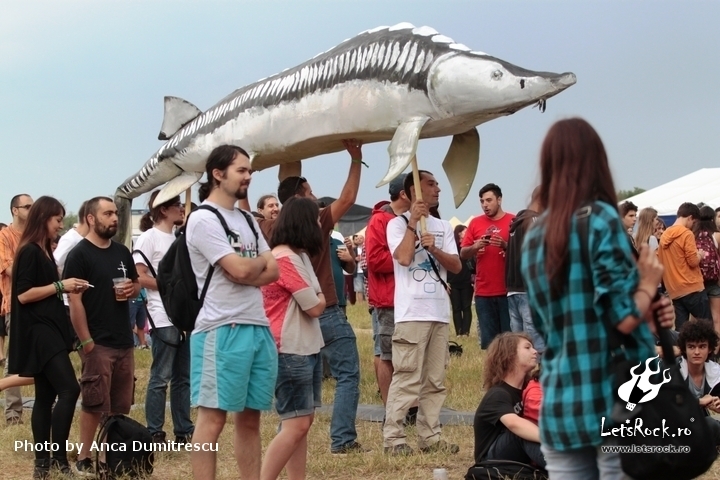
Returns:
<point x="577" y="376"/>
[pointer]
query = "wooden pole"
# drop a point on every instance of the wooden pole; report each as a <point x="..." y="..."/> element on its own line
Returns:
<point x="418" y="190"/>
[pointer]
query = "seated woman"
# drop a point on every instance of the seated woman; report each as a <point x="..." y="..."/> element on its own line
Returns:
<point x="501" y="433"/>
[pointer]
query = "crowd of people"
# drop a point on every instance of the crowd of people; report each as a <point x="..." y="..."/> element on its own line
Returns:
<point x="274" y="301"/>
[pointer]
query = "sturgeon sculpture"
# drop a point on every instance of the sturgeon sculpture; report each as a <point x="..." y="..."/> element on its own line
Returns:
<point x="398" y="83"/>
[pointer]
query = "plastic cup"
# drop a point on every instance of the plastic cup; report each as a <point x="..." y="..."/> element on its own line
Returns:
<point x="119" y="287"/>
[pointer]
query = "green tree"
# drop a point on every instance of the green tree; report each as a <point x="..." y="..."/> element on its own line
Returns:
<point x="70" y="219"/>
<point x="623" y="194"/>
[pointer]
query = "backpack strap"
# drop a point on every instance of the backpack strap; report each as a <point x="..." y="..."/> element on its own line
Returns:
<point x="432" y="262"/>
<point x="251" y="224"/>
<point x="147" y="311"/>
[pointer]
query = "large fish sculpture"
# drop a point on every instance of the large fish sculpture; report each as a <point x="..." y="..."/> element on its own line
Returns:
<point x="399" y="83"/>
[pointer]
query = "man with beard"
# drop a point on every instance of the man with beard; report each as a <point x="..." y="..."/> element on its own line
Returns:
<point x="233" y="353"/>
<point x="268" y="207"/>
<point x="100" y="318"/>
<point x="171" y="357"/>
<point x="486" y="239"/>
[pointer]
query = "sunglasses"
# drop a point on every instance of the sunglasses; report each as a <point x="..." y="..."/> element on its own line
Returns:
<point x="26" y="207"/>
<point x="300" y="181"/>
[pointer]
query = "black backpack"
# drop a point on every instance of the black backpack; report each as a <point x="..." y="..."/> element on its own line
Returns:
<point x="504" y="469"/>
<point x="124" y="442"/>
<point x="176" y="280"/>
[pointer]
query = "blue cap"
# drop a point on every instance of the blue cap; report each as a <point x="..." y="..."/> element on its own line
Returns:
<point x="396" y="184"/>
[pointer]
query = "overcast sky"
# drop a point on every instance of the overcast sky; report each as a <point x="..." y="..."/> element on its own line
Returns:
<point x="82" y="85"/>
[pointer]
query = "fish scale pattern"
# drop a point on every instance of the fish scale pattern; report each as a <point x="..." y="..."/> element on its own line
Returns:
<point x="402" y="54"/>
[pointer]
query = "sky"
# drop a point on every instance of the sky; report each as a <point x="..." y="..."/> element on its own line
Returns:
<point x="82" y="85"/>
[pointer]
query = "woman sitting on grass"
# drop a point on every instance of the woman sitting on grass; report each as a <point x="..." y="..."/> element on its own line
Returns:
<point x="293" y="304"/>
<point x="501" y="432"/>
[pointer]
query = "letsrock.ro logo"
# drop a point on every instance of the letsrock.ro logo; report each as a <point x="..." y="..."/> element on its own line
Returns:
<point x="639" y="389"/>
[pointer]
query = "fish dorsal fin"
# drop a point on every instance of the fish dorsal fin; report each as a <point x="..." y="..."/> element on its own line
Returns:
<point x="178" y="112"/>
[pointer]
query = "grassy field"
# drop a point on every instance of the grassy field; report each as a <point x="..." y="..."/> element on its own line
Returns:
<point x="464" y="393"/>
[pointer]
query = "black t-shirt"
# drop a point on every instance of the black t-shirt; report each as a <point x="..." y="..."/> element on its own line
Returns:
<point x="498" y="401"/>
<point x="40" y="329"/>
<point x="108" y="320"/>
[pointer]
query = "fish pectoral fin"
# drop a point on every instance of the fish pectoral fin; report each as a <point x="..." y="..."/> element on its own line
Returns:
<point x="178" y="113"/>
<point x="176" y="186"/>
<point x="403" y="146"/>
<point x="461" y="163"/>
<point x="293" y="169"/>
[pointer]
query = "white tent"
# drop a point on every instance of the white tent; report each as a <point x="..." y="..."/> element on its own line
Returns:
<point x="700" y="186"/>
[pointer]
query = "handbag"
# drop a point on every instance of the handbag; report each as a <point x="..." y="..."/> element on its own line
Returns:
<point x="662" y="437"/>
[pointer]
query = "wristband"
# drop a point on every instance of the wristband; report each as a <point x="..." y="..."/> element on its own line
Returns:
<point x="359" y="160"/>
<point x="82" y="344"/>
<point x="412" y="229"/>
<point x="59" y="287"/>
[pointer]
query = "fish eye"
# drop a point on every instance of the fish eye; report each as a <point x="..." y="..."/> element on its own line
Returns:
<point x="497" y="75"/>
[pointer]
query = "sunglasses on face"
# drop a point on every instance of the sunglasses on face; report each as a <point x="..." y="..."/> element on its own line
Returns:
<point x="26" y="207"/>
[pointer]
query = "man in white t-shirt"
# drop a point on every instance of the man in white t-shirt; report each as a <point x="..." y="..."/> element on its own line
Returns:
<point x="233" y="353"/>
<point x="71" y="238"/>
<point x="422" y="314"/>
<point x="68" y="241"/>
<point x="171" y="356"/>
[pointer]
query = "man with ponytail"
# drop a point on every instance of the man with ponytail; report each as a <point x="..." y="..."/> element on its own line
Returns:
<point x="233" y="354"/>
<point x="171" y="356"/>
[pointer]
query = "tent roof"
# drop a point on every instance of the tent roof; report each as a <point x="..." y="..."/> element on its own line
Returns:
<point x="700" y="186"/>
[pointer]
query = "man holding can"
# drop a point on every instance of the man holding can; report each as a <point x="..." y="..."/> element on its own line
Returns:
<point x="100" y="318"/>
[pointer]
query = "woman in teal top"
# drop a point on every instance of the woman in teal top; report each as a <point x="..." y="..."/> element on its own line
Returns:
<point x="569" y="297"/>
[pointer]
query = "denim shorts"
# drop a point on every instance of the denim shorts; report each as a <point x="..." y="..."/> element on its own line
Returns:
<point x="298" y="390"/>
<point x="233" y="367"/>
<point x="712" y="290"/>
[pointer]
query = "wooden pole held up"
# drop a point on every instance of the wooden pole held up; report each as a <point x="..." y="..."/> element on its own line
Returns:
<point x="418" y="190"/>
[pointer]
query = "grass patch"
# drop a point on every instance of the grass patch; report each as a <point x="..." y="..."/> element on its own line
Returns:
<point x="464" y="378"/>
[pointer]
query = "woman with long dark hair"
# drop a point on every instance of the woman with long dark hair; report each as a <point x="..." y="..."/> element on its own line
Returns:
<point x="293" y="304"/>
<point x="42" y="334"/>
<point x="707" y="238"/>
<point x="572" y="287"/>
<point x="461" y="290"/>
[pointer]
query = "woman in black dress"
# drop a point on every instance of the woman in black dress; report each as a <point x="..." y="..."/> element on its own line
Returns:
<point x="42" y="334"/>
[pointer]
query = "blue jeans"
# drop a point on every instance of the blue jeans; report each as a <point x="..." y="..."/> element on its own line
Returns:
<point x="521" y="319"/>
<point x="170" y="365"/>
<point x="342" y="354"/>
<point x="586" y="463"/>
<point x="493" y="318"/>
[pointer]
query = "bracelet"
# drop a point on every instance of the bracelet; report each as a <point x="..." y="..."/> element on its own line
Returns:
<point x="412" y="229"/>
<point x="59" y="287"/>
<point x="82" y="344"/>
<point x="359" y="160"/>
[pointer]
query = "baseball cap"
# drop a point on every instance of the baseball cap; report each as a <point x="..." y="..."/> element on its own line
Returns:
<point x="396" y="184"/>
